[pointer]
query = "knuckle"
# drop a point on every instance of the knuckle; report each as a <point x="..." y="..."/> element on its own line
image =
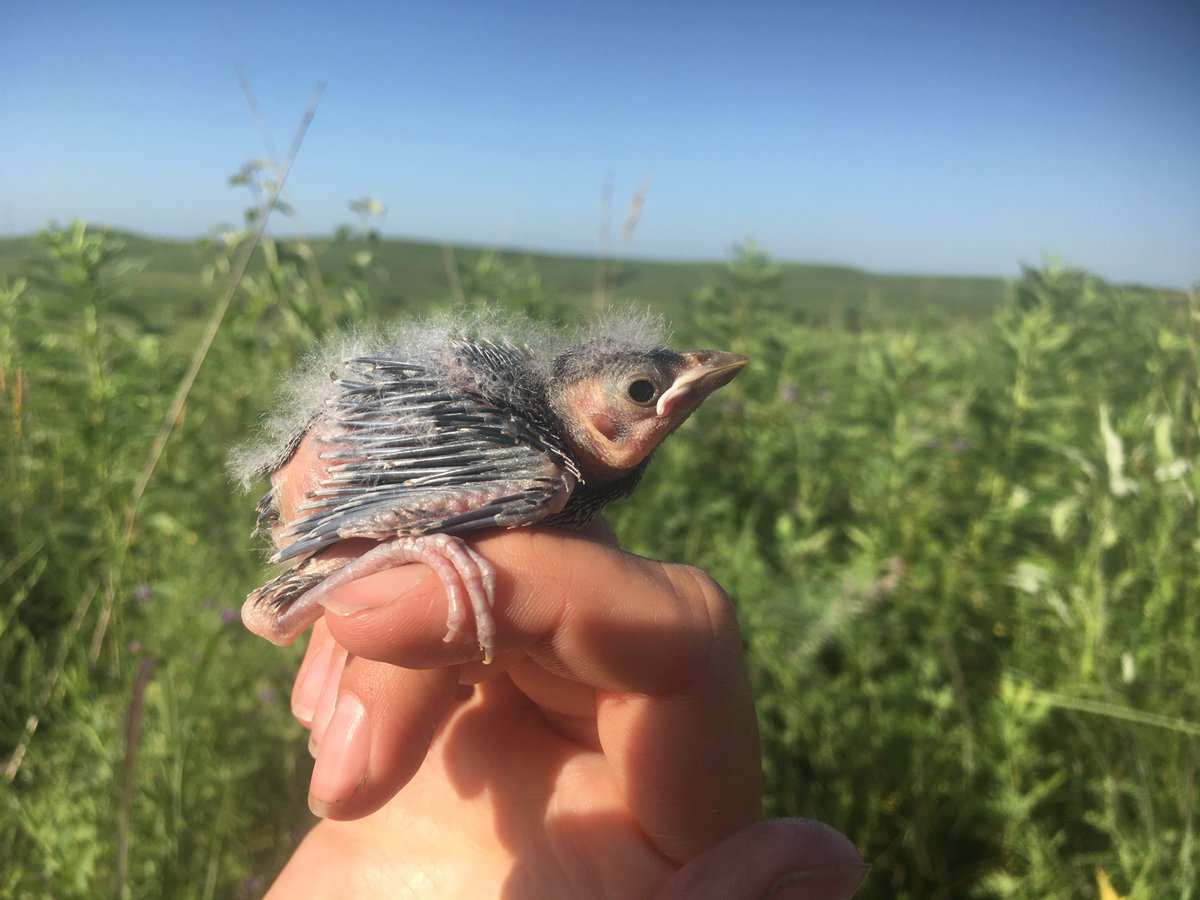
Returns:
<point x="710" y="633"/>
<point x="701" y="591"/>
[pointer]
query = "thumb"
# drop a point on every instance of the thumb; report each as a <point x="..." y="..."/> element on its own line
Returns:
<point x="796" y="859"/>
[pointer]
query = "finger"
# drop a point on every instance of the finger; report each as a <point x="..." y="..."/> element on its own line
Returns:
<point x="380" y="724"/>
<point x="340" y="657"/>
<point x="586" y="610"/>
<point x="313" y="674"/>
<point x="658" y="646"/>
<point x="780" y="858"/>
<point x="688" y="759"/>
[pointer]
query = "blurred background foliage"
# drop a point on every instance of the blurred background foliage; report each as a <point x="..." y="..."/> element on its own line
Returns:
<point x="958" y="518"/>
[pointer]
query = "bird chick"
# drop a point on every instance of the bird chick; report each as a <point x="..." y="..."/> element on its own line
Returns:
<point x="433" y="431"/>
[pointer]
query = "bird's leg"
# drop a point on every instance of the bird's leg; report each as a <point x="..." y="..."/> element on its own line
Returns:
<point x="464" y="573"/>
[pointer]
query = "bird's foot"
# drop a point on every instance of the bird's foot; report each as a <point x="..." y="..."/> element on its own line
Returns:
<point x="467" y="576"/>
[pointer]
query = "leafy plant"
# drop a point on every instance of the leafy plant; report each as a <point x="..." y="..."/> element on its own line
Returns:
<point x="963" y="552"/>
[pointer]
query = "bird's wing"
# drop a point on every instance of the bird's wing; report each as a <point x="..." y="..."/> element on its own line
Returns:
<point x="409" y="455"/>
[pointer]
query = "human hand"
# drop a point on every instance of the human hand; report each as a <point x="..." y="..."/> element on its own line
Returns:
<point x="610" y="750"/>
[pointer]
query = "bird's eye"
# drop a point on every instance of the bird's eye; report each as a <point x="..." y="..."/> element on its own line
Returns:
<point x="642" y="390"/>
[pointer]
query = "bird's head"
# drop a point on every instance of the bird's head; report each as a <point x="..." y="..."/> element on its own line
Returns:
<point x="618" y="405"/>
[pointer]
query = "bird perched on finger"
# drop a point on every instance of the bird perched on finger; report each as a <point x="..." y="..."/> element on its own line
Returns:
<point x="437" y="430"/>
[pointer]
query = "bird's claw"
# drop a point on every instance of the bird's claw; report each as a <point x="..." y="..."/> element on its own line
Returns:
<point x="468" y="579"/>
<point x="460" y="566"/>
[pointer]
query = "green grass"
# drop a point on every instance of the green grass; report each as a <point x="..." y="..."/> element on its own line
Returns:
<point x="958" y="518"/>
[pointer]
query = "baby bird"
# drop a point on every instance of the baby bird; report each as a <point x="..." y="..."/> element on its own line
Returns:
<point x="431" y="432"/>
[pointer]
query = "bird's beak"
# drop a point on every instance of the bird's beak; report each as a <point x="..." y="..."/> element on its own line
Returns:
<point x="704" y="372"/>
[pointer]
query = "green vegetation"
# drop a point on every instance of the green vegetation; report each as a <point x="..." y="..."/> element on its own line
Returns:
<point x="411" y="275"/>
<point x="958" y="518"/>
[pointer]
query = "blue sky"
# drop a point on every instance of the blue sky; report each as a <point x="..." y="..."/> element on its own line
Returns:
<point x="902" y="137"/>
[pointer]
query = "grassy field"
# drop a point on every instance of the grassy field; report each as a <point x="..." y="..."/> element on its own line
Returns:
<point x="958" y="517"/>
<point x="169" y="283"/>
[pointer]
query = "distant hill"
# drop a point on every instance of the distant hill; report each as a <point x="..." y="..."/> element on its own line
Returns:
<point x="170" y="279"/>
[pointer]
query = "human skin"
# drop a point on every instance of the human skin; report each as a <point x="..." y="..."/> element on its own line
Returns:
<point x="610" y="750"/>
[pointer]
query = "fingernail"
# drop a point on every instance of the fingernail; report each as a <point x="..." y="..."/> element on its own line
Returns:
<point x="312" y="681"/>
<point x="818" y="884"/>
<point x="329" y="695"/>
<point x="345" y="753"/>
<point x="370" y="593"/>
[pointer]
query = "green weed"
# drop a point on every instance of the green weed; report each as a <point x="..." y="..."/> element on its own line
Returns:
<point x="963" y="548"/>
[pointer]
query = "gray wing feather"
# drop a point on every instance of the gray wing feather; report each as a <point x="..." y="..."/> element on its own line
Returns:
<point x="410" y="456"/>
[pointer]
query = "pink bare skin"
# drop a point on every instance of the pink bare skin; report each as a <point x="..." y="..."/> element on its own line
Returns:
<point x="610" y="750"/>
